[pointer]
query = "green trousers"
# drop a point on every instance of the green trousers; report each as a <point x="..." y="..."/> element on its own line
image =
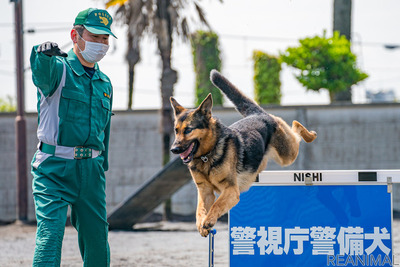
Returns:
<point x="80" y="184"/>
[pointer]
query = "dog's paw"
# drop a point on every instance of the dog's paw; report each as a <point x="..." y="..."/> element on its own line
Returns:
<point x="199" y="224"/>
<point x="204" y="232"/>
<point x="206" y="226"/>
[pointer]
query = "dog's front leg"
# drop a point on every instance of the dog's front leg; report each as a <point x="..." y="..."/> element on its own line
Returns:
<point x="205" y="199"/>
<point x="227" y="200"/>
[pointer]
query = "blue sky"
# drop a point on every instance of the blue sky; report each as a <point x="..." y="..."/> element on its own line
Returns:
<point x="266" y="25"/>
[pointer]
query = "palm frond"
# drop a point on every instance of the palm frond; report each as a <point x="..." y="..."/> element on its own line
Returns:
<point x="122" y="14"/>
<point x="202" y="15"/>
<point x="115" y="2"/>
<point x="185" y="29"/>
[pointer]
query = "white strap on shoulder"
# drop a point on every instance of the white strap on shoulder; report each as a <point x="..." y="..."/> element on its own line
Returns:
<point x="62" y="82"/>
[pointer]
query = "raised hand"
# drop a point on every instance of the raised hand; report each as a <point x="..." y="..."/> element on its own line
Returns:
<point x="51" y="49"/>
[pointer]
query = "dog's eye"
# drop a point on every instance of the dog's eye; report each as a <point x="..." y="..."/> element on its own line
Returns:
<point x="176" y="130"/>
<point x="188" y="130"/>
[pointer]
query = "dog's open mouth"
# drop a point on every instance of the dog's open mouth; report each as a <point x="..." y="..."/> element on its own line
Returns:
<point x="187" y="155"/>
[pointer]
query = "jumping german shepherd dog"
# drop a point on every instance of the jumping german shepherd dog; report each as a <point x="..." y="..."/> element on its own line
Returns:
<point x="225" y="159"/>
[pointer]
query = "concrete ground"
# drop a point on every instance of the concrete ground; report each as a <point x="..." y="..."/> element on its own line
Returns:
<point x="161" y="244"/>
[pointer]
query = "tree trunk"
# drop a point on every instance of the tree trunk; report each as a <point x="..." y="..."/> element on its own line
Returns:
<point x="131" y="71"/>
<point x="168" y="79"/>
<point x="133" y="57"/>
<point x="342" y="23"/>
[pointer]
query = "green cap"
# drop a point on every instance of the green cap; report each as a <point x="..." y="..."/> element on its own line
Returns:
<point x="97" y="21"/>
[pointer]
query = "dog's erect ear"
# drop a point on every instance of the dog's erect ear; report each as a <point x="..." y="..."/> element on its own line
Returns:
<point x="206" y="106"/>
<point x="176" y="106"/>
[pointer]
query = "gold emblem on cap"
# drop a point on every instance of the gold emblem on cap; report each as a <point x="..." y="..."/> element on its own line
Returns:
<point x="103" y="20"/>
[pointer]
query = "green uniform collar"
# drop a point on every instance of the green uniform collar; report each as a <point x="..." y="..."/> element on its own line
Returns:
<point x="78" y="69"/>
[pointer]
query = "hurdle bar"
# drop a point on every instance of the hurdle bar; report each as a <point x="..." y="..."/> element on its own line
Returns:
<point x="310" y="177"/>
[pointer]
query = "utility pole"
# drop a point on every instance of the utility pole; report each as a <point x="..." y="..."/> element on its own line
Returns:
<point x="342" y="17"/>
<point x="20" y="123"/>
<point x="342" y="23"/>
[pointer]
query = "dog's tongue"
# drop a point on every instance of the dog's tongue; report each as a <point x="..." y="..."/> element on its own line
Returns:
<point x="187" y="152"/>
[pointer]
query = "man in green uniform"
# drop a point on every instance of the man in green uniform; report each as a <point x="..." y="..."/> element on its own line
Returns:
<point x="74" y="111"/>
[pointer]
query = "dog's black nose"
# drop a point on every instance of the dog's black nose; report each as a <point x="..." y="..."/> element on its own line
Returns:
<point x="175" y="150"/>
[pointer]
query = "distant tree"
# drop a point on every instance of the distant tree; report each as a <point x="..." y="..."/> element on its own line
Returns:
<point x="324" y="63"/>
<point x="206" y="56"/>
<point x="267" y="85"/>
<point x="162" y="19"/>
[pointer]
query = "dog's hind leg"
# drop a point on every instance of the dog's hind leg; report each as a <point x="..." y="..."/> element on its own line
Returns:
<point x="285" y="142"/>
<point x="284" y="145"/>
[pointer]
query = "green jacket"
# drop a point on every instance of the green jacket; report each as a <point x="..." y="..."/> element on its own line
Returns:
<point x="73" y="109"/>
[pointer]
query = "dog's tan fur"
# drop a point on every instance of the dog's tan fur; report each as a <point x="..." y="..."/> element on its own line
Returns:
<point x="227" y="160"/>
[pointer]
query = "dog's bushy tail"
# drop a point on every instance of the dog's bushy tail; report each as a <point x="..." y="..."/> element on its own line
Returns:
<point x="243" y="104"/>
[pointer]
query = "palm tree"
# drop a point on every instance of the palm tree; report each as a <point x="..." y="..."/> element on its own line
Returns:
<point x="159" y="18"/>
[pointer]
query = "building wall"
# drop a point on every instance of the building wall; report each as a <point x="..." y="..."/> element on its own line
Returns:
<point x="349" y="137"/>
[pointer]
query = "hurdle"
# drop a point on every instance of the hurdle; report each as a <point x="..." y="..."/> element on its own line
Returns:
<point x="314" y="218"/>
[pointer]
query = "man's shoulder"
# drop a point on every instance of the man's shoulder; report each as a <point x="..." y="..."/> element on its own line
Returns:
<point x="103" y="76"/>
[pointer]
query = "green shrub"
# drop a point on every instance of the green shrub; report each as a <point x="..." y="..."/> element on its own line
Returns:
<point x="206" y="56"/>
<point x="324" y="63"/>
<point x="267" y="85"/>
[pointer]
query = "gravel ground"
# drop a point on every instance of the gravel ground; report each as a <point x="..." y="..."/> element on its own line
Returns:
<point x="157" y="244"/>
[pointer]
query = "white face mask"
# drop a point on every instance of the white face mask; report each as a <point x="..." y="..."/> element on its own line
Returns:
<point x="93" y="52"/>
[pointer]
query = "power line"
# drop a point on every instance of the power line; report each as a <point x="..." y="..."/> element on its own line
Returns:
<point x="258" y="38"/>
<point x="11" y="25"/>
<point x="34" y="30"/>
<point x="227" y="36"/>
<point x="289" y="39"/>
